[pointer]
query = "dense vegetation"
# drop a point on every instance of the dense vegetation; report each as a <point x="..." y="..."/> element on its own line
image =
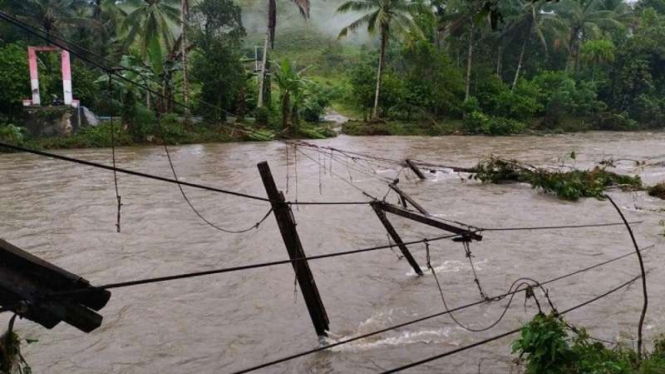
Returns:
<point x="417" y="67"/>
<point x="549" y="345"/>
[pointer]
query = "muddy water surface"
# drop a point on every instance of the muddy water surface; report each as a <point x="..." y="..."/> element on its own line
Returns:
<point x="66" y="214"/>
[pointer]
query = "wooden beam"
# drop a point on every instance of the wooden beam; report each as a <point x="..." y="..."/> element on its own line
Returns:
<point x="396" y="238"/>
<point x="408" y="198"/>
<point x="287" y="227"/>
<point x="27" y="279"/>
<point x="415" y="169"/>
<point x="427" y="220"/>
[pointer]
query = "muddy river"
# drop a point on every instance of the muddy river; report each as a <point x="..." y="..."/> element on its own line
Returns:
<point x="66" y="214"/>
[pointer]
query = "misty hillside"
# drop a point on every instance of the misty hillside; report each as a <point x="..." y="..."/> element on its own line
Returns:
<point x="304" y="41"/>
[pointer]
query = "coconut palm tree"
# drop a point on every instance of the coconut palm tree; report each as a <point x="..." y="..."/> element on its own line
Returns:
<point x="388" y="18"/>
<point x="596" y="52"/>
<point x="184" y="13"/>
<point x="53" y="16"/>
<point x="531" y="20"/>
<point x="303" y="6"/>
<point x="586" y="20"/>
<point x="149" y="26"/>
<point x="461" y="19"/>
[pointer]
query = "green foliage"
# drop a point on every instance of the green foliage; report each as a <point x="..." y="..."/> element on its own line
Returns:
<point x="548" y="347"/>
<point x="545" y="346"/>
<point x="292" y="86"/>
<point x="568" y="185"/>
<point x="317" y="98"/>
<point x="12" y="134"/>
<point x="476" y="122"/>
<point x="362" y="79"/>
<point x="561" y="96"/>
<point x="14" y="81"/>
<point x="638" y="76"/>
<point x="432" y="82"/>
<point x="262" y="116"/>
<point x="148" y="25"/>
<point x="84" y="89"/>
<point x="216" y="28"/>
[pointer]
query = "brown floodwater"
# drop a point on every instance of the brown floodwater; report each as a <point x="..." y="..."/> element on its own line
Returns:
<point x="65" y="213"/>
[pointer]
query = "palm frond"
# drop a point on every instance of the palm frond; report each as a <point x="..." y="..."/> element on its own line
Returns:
<point x="355" y="25"/>
<point x="356" y="6"/>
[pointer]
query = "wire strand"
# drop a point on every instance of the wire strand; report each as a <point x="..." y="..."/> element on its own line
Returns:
<point x="508" y="333"/>
<point x="169" y="180"/>
<point x="237" y="268"/>
<point x="425" y="318"/>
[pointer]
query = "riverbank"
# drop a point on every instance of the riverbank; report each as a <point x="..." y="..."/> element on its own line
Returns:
<point x="110" y="134"/>
<point x="334" y="123"/>
<point x="477" y="126"/>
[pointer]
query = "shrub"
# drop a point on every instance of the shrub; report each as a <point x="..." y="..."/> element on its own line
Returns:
<point x="14" y="80"/>
<point x="503" y="126"/>
<point x="317" y="99"/>
<point x="475" y="122"/>
<point x="262" y="116"/>
<point x="172" y="130"/>
<point x="614" y="122"/>
<point x="11" y="134"/>
<point x="548" y="348"/>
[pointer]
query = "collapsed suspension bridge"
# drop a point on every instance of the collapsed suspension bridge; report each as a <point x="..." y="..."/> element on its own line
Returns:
<point x="28" y="283"/>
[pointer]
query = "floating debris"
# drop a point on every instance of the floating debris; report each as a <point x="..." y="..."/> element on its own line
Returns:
<point x="568" y="185"/>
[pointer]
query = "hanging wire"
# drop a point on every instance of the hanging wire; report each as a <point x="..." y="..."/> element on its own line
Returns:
<point x="428" y="317"/>
<point x="508" y="333"/>
<point x="469" y="255"/>
<point x="115" y="172"/>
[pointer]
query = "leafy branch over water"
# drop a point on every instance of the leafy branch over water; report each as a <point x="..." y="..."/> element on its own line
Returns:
<point x="566" y="184"/>
<point x="546" y="347"/>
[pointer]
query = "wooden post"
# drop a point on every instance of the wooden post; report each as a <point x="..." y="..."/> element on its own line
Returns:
<point x="287" y="226"/>
<point x="415" y="169"/>
<point x="408" y="198"/>
<point x="395" y="236"/>
<point x="426" y="220"/>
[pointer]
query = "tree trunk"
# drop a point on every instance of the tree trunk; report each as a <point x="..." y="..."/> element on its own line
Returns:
<point x="262" y="74"/>
<point x="183" y="49"/>
<point x="519" y="64"/>
<point x="286" y="104"/>
<point x="469" y="62"/>
<point x="97" y="12"/>
<point x="499" y="61"/>
<point x="379" y="70"/>
<point x="147" y="95"/>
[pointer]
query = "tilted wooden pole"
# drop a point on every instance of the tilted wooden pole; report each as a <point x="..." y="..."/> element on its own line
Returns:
<point x="287" y="226"/>
<point x="394" y="209"/>
<point x="396" y="238"/>
<point x="415" y="169"/>
<point x="408" y="198"/>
